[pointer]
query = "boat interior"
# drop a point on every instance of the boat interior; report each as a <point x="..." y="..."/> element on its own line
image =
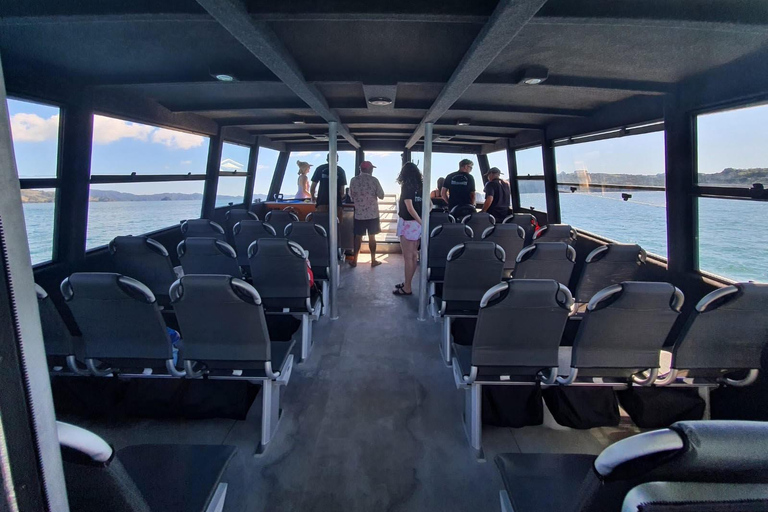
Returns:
<point x="153" y="359"/>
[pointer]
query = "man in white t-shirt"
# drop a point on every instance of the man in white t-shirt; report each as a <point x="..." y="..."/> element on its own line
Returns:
<point x="365" y="191"/>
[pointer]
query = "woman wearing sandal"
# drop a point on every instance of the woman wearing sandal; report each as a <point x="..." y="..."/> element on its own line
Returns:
<point x="409" y="222"/>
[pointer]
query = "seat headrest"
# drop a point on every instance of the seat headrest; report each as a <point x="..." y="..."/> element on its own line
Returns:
<point x="548" y="251"/>
<point x="560" y="231"/>
<point x="105" y="286"/>
<point x="461" y="230"/>
<point x="305" y="229"/>
<point x="504" y="229"/>
<point x="617" y="253"/>
<point x="251" y="226"/>
<point x="529" y="294"/>
<point x="200" y="226"/>
<point x="638" y="296"/>
<point x="240" y="214"/>
<point x="213" y="289"/>
<point x="477" y="251"/>
<point x="205" y="246"/>
<point x="740" y="296"/>
<point x="136" y="245"/>
<point x="271" y="247"/>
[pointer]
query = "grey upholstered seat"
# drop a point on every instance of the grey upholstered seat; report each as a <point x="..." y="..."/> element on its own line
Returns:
<point x="727" y="331"/>
<point x="441" y="240"/>
<point x="279" y="219"/>
<point x="438" y="218"/>
<point x="207" y="256"/>
<point x="471" y="269"/>
<point x="145" y="260"/>
<point x="609" y="264"/>
<point x="555" y="233"/>
<point x="708" y="496"/>
<point x="511" y="238"/>
<point x="279" y="273"/>
<point x="120" y="322"/>
<point x="707" y="452"/>
<point x="546" y="260"/>
<point x="462" y="210"/>
<point x="314" y="239"/>
<point x="623" y="331"/>
<point x="479" y="222"/>
<point x="526" y="221"/>
<point x="141" y="478"/>
<point x="232" y="217"/>
<point x="62" y="349"/>
<point x="202" y="228"/>
<point x="245" y="233"/>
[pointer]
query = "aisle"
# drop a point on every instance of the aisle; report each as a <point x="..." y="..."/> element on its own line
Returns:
<point x="372" y="420"/>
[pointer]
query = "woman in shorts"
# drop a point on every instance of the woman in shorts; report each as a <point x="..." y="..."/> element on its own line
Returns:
<point x="409" y="222"/>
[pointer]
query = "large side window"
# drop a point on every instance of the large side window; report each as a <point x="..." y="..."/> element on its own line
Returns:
<point x="265" y="170"/>
<point x="530" y="178"/>
<point x="35" y="133"/>
<point x="232" y="174"/>
<point x="143" y="178"/>
<point x="615" y="188"/>
<point x="732" y="161"/>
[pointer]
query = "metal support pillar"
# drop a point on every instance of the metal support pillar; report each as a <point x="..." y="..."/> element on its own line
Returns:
<point x="482" y="162"/>
<point x="426" y="206"/>
<point x="277" y="178"/>
<point x="250" y="180"/>
<point x="333" y="227"/>
<point x="473" y="423"/>
<point x="306" y="337"/>
<point x="270" y="412"/>
<point x="71" y="218"/>
<point x="445" y="341"/>
<point x="682" y="206"/>
<point x="550" y="182"/>
<point x="212" y="176"/>
<point x="359" y="158"/>
<point x="406" y="155"/>
<point x="514" y="186"/>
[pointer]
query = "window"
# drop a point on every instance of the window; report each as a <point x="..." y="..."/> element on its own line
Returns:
<point x="144" y="178"/>
<point x="615" y="188"/>
<point x="499" y="159"/>
<point x="265" y="169"/>
<point x="35" y="134"/>
<point x="731" y="152"/>
<point x="232" y="177"/>
<point x="530" y="178"/>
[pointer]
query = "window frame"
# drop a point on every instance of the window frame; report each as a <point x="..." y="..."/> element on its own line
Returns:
<point x="47" y="183"/>
<point x="110" y="179"/>
<point x="235" y="174"/>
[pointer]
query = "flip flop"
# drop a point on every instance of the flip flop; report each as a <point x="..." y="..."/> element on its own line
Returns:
<point x="399" y="291"/>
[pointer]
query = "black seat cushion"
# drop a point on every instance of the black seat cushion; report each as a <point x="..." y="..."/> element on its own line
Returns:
<point x="176" y="477"/>
<point x="542" y="481"/>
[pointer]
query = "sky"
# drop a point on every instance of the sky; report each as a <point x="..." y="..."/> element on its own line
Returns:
<point x="735" y="138"/>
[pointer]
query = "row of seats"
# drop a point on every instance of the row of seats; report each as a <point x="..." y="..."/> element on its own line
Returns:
<point x="712" y="466"/>
<point x="619" y="341"/>
<point x="223" y="328"/>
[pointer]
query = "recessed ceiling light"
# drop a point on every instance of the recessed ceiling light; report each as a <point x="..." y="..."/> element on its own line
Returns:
<point x="534" y="75"/>
<point x="320" y="137"/>
<point x="223" y="77"/>
<point x="299" y="121"/>
<point x="380" y="102"/>
<point x="462" y="122"/>
<point x="443" y="138"/>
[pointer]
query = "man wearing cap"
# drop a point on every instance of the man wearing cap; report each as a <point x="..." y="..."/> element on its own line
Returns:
<point x="365" y="191"/>
<point x="497" y="195"/>
<point x="459" y="187"/>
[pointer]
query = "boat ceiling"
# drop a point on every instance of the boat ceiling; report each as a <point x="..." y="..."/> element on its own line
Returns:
<point x="609" y="62"/>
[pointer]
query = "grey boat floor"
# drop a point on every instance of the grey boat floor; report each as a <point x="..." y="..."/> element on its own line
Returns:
<point x="371" y="422"/>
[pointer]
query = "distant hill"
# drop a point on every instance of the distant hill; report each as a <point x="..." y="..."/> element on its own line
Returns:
<point x="99" y="196"/>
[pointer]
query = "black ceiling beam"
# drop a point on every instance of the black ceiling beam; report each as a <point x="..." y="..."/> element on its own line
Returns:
<point x="673" y="24"/>
<point x="508" y="18"/>
<point x="540" y="111"/>
<point x="258" y="38"/>
<point x="578" y="82"/>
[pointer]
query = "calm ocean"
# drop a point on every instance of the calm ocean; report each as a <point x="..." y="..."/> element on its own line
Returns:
<point x="733" y="235"/>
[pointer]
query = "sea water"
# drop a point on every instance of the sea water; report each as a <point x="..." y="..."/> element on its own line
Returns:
<point x="732" y="241"/>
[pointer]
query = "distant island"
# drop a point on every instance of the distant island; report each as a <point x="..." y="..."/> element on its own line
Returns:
<point x="102" y="196"/>
<point x="729" y="176"/>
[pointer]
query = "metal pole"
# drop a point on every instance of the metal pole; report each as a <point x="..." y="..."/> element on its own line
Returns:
<point x="333" y="227"/>
<point x="426" y="206"/>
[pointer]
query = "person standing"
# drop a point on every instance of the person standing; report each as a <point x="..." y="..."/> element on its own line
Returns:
<point x="459" y="186"/>
<point x="409" y="223"/>
<point x="321" y="177"/>
<point x="365" y="191"/>
<point x="303" y="182"/>
<point x="497" y="195"/>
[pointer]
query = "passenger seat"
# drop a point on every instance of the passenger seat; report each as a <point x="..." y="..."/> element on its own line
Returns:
<point x="479" y="222"/>
<point x="279" y="219"/>
<point x="234" y="216"/>
<point x="202" y="228"/>
<point x="511" y="238"/>
<point x="62" y="349"/>
<point x="555" y="233"/>
<point x="245" y="233"/>
<point x="141" y="478"/>
<point x="526" y="221"/>
<point x="609" y="264"/>
<point x="546" y="260"/>
<point x="208" y="256"/>
<point x="145" y="260"/>
<point x="314" y="239"/>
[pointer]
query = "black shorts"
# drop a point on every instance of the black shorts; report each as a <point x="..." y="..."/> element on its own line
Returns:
<point x="371" y="226"/>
